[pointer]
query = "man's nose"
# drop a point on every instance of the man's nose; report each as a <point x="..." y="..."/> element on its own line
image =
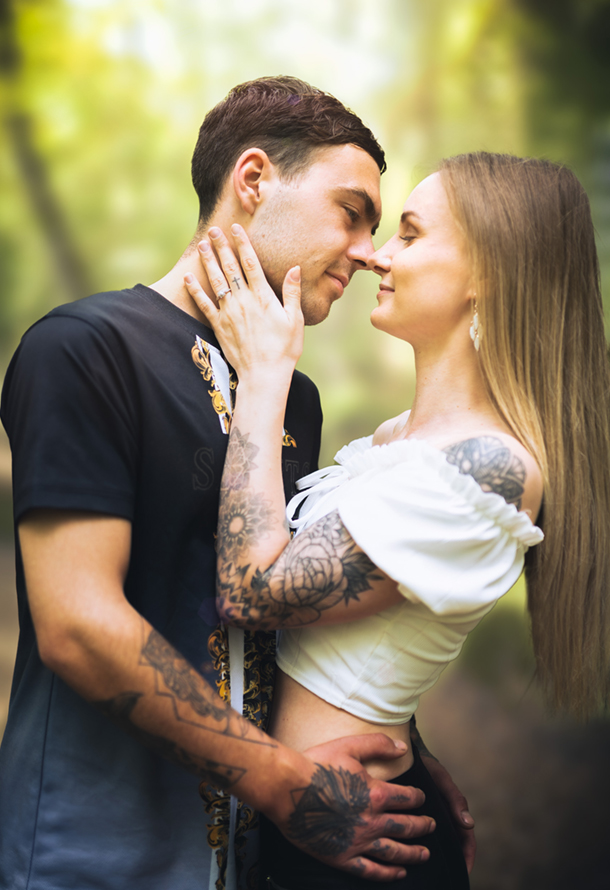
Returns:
<point x="360" y="252"/>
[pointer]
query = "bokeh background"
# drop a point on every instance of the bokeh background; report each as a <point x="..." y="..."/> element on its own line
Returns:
<point x="100" y="103"/>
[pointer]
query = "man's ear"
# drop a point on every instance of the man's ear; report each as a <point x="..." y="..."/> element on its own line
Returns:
<point x="253" y="171"/>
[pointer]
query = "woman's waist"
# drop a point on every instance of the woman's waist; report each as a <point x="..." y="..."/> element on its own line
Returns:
<point x="301" y="719"/>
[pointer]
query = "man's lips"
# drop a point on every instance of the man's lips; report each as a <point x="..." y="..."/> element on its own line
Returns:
<point x="340" y="280"/>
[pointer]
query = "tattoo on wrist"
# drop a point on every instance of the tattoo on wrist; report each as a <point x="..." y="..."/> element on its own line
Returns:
<point x="328" y="812"/>
<point x="492" y="464"/>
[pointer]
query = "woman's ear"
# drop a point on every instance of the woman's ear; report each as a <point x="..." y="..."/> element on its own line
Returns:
<point x="252" y="172"/>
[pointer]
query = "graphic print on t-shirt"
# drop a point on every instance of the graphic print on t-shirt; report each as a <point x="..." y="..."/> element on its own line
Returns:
<point x="222" y="380"/>
<point x="223" y="383"/>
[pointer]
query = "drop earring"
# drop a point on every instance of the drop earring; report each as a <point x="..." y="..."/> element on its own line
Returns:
<point x="475" y="328"/>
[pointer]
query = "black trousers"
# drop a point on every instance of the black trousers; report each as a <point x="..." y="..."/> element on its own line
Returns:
<point x="285" y="867"/>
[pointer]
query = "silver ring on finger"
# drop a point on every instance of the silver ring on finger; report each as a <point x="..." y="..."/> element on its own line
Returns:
<point x="222" y="293"/>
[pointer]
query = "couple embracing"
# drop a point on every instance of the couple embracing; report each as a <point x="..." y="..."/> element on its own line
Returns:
<point x="152" y="581"/>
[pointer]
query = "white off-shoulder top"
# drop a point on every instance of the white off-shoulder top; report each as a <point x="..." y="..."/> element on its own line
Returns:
<point x="453" y="549"/>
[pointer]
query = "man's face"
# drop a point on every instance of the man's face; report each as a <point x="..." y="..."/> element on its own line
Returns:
<point x="323" y="221"/>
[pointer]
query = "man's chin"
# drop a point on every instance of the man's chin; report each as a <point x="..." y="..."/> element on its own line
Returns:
<point x="314" y="313"/>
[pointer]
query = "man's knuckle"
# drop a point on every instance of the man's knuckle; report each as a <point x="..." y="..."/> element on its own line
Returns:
<point x="357" y="867"/>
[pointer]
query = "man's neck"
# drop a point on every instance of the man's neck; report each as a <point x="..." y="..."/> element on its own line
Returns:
<point x="171" y="286"/>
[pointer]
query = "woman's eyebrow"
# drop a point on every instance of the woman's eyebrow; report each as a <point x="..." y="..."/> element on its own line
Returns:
<point x="405" y="217"/>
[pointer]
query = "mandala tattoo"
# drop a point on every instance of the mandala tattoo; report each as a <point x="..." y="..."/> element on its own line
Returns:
<point x="242" y="518"/>
<point x="238" y="462"/>
<point x="328" y="812"/>
<point x="492" y="464"/>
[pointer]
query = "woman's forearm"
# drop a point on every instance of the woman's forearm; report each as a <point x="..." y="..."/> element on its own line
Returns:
<point x="252" y="528"/>
<point x="264" y="580"/>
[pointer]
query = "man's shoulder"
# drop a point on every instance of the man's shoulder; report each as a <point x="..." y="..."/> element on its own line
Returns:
<point x="303" y="388"/>
<point x="303" y="382"/>
<point x="106" y="306"/>
<point x="118" y="319"/>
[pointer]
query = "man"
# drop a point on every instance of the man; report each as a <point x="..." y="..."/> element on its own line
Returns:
<point x="118" y="409"/>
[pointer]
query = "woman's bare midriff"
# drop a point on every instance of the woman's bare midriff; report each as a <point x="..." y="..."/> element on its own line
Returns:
<point x="300" y="720"/>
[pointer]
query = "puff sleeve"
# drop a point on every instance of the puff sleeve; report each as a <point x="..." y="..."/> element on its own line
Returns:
<point x="448" y="544"/>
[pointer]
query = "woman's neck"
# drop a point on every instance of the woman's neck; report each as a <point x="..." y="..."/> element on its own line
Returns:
<point x="450" y="396"/>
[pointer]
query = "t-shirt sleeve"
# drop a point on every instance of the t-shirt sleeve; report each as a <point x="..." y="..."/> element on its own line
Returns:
<point x="70" y="417"/>
<point x="448" y="544"/>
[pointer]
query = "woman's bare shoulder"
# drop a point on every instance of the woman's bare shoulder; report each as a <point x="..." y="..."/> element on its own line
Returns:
<point x="390" y="429"/>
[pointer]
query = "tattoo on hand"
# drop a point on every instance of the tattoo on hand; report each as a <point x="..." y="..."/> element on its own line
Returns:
<point x="492" y="464"/>
<point x="327" y="814"/>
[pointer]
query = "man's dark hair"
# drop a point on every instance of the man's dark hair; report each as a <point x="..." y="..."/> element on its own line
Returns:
<point x="285" y="117"/>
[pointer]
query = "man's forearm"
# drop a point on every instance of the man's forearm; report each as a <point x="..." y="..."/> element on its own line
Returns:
<point x="152" y="692"/>
<point x="173" y="710"/>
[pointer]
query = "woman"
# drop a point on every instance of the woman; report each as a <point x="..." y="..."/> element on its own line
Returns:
<point x="493" y="279"/>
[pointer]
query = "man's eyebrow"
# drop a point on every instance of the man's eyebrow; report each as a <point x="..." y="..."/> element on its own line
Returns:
<point x="370" y="211"/>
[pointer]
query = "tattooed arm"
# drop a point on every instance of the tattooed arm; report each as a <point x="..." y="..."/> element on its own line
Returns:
<point x="87" y="633"/>
<point x="322" y="576"/>
<point x="265" y="581"/>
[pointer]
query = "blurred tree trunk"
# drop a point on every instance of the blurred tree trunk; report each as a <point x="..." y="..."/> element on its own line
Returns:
<point x="20" y="126"/>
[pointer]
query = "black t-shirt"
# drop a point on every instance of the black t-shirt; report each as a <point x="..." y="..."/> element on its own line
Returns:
<point x="119" y="404"/>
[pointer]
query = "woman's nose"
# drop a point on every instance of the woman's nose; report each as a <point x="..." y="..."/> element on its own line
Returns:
<point x="380" y="261"/>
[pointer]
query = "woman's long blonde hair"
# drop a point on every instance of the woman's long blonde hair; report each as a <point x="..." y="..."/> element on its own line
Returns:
<point x="544" y="360"/>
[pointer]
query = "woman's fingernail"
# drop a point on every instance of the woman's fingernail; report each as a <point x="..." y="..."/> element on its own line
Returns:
<point x="236" y="229"/>
<point x="203" y="246"/>
<point x="189" y="278"/>
<point x="214" y="232"/>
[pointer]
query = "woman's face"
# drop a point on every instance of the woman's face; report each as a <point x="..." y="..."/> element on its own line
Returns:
<point x="425" y="292"/>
